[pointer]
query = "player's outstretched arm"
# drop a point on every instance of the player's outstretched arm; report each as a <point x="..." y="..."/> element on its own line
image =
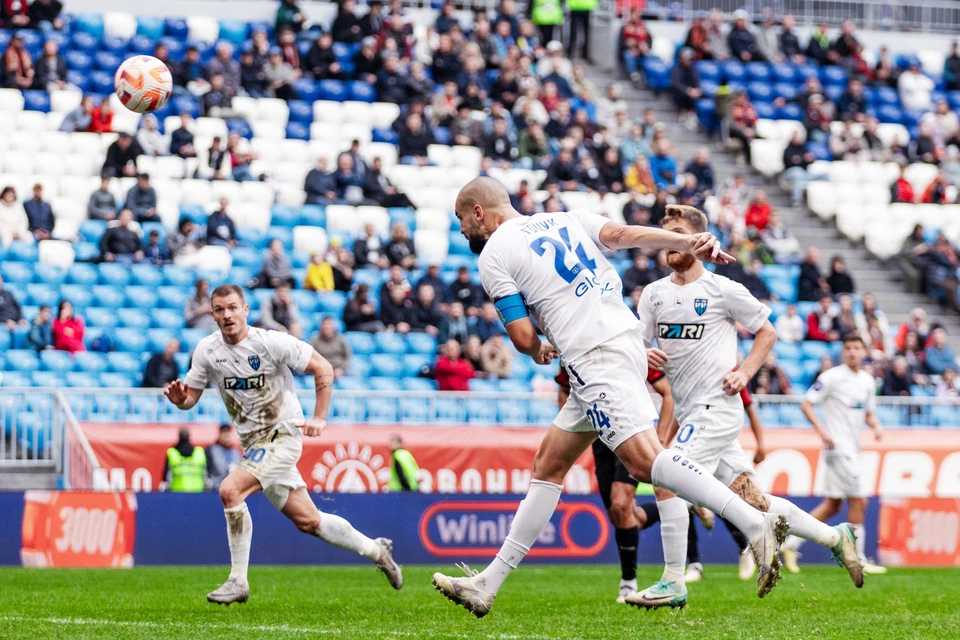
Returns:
<point x="181" y="395"/>
<point x="702" y="245"/>
<point x="524" y="337"/>
<point x="736" y="381"/>
<point x="322" y="373"/>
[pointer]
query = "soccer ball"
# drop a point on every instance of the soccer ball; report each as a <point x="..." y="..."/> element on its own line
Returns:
<point x="143" y="84"/>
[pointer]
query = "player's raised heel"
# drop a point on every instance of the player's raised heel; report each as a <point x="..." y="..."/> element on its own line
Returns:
<point x="463" y="592"/>
<point x="233" y="590"/>
<point x="387" y="565"/>
<point x="845" y="553"/>
<point x="766" y="551"/>
<point x="662" y="594"/>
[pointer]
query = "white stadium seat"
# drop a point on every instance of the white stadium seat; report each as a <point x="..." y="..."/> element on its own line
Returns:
<point x="225" y="189"/>
<point x="328" y="111"/>
<point x="308" y="239"/>
<point x="440" y="155"/>
<point x="65" y="101"/>
<point x="433" y="219"/>
<point x="274" y="110"/>
<point x="268" y="129"/>
<point x="766" y="156"/>
<point x="259" y="193"/>
<point x="169" y="213"/>
<point x="252" y="215"/>
<point x="195" y="192"/>
<point x="32" y="121"/>
<point x="120" y="25"/>
<point x="246" y="107"/>
<point x="170" y="167"/>
<point x="343" y="218"/>
<point x="920" y="175"/>
<point x="56" y="252"/>
<point x="203" y="28"/>
<point x="212" y="128"/>
<point x="17" y="162"/>
<point x="358" y="113"/>
<point x="821" y="199"/>
<point x="431" y="246"/>
<point x="467" y="157"/>
<point x="384" y="114"/>
<point x="377" y="216"/>
<point x="11" y="101"/>
<point x="290" y="195"/>
<point x="294" y="150"/>
<point x="68" y="209"/>
<point x="384" y="150"/>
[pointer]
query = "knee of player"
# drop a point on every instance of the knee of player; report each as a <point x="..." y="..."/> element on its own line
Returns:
<point x="308" y="523"/>
<point x="229" y="495"/>
<point x="832" y="507"/>
<point x="622" y="514"/>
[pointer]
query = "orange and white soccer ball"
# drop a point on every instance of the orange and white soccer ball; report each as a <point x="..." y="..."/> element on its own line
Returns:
<point x="143" y="84"/>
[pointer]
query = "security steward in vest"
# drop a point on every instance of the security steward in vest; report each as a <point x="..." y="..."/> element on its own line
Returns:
<point x="546" y="15"/>
<point x="186" y="466"/>
<point x="403" y="468"/>
<point x="580" y="27"/>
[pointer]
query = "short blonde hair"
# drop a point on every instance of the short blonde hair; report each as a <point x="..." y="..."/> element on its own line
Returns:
<point x="691" y="215"/>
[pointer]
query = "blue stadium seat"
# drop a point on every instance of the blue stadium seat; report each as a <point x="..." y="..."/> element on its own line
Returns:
<point x="832" y="75"/>
<point x="760" y="91"/>
<point x="382" y="410"/>
<point x="308" y="90"/>
<point x="178" y="276"/>
<point x="92" y="230"/>
<point x="280" y="216"/>
<point x="112" y="380"/>
<point x="123" y="362"/>
<point x="114" y="274"/>
<point x="173" y="297"/>
<point x="167" y="318"/>
<point x="814" y="350"/>
<point x="384" y="383"/>
<point x="52" y="360"/>
<point x="157" y="339"/>
<point x="786" y="73"/>
<point x="481" y="385"/>
<point x="6" y="342"/>
<point x="101" y="317"/>
<point x="391" y="343"/>
<point x="81" y="273"/>
<point x="80" y="295"/>
<point x="233" y="31"/>
<point x="360" y="343"/>
<point x="734" y="71"/>
<point x="22" y="252"/>
<point x="480" y="411"/>
<point x="240" y="275"/>
<point x="189" y="338"/>
<point x="131" y="340"/>
<point x="758" y="72"/>
<point x="297" y="131"/>
<point x="415" y="363"/>
<point x="833" y="92"/>
<point x="359" y="366"/>
<point x="134" y="318"/>
<point x="387" y="365"/>
<point x="24" y="360"/>
<point x="334" y="90"/>
<point x="418" y="384"/>
<point x="307" y="301"/>
<point x="141" y="45"/>
<point x="51" y="379"/>
<point x="241" y="127"/>
<point x="708" y="70"/>
<point x="176" y="28"/>
<point x="33" y="433"/>
<point x="90" y="361"/>
<point x="785" y="91"/>
<point x="349" y="383"/>
<point x="805" y="72"/>
<point x="820" y="151"/>
<point x="384" y="135"/>
<point x="889" y="113"/>
<point x="19" y="272"/>
<point x="82" y="379"/>
<point x="146" y="275"/>
<point x="110" y="296"/>
<point x="788" y="351"/>
<point x="79" y="79"/>
<point x="765" y="110"/>
<point x="361" y="92"/>
<point x="186" y="103"/>
<point x="422" y="343"/>
<point x="88" y="23"/>
<point x="101" y="82"/>
<point x="333" y="302"/>
<point x="107" y="61"/>
<point x="13" y="379"/>
<point x="301" y="112"/>
<point x="78" y="61"/>
<point x="43" y="294"/>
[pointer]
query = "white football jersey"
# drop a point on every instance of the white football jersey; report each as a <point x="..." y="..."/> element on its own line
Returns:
<point x="254" y="380"/>
<point x="696" y="326"/>
<point x="846" y="397"/>
<point x="554" y="261"/>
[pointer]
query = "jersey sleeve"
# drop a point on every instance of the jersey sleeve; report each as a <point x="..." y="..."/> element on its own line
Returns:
<point x="592" y="223"/>
<point x="871" y="405"/>
<point x="645" y="313"/>
<point x="198" y="377"/>
<point x="286" y="349"/>
<point x="744" y="308"/>
<point x="821" y="388"/>
<point x="501" y="286"/>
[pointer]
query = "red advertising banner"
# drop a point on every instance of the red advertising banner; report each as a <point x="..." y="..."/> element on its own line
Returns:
<point x="908" y="463"/>
<point x="78" y="529"/>
<point x="920" y="532"/>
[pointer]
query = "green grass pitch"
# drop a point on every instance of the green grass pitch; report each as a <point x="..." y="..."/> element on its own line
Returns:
<point x="537" y="603"/>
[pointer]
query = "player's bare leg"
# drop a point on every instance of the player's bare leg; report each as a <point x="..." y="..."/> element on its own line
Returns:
<point x="625" y="517"/>
<point x="336" y="531"/>
<point x="558" y="451"/>
<point x="645" y="458"/>
<point x="234" y="490"/>
<point x="839" y="539"/>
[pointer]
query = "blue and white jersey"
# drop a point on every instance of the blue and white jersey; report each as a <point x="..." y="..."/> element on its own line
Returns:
<point x="696" y="326"/>
<point x="254" y="379"/>
<point x="553" y="261"/>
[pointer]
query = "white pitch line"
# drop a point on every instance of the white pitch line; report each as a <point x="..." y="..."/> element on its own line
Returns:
<point x="144" y="624"/>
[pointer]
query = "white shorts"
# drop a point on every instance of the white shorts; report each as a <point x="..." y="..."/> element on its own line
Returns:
<point x="273" y="462"/>
<point x="608" y="391"/>
<point x="710" y="436"/>
<point x="841" y="475"/>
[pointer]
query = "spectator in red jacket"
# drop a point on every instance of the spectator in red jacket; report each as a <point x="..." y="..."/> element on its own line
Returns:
<point x="101" y="120"/>
<point x="758" y="211"/>
<point x="936" y="191"/>
<point x="68" y="329"/>
<point x="452" y="372"/>
<point x="820" y="325"/>
<point x="902" y="190"/>
<point x="743" y="121"/>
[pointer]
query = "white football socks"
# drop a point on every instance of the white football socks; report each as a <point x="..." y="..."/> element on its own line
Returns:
<point x="861" y="535"/>
<point x="532" y="516"/>
<point x="674" y="471"/>
<point x="340" y="533"/>
<point x="239" y="535"/>
<point x="674" y="522"/>
<point x="803" y="524"/>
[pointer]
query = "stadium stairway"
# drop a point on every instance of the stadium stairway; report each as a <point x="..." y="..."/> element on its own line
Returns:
<point x="38" y="476"/>
<point x="870" y="274"/>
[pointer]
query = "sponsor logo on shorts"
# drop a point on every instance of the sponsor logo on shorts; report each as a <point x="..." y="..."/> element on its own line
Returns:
<point x="243" y="384"/>
<point x="671" y="331"/>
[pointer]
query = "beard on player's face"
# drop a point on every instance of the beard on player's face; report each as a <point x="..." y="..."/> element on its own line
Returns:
<point x="680" y="262"/>
<point x="477" y="243"/>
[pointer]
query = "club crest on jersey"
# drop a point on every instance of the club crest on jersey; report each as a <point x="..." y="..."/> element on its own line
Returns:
<point x="700" y="306"/>
<point x="254" y="362"/>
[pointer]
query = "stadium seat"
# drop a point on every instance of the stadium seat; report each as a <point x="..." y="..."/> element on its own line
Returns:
<point x="130" y="340"/>
<point x="134" y="318"/>
<point x="386" y="365"/>
<point x="90" y="361"/>
<point x="52" y="360"/>
<point x="391" y="343"/>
